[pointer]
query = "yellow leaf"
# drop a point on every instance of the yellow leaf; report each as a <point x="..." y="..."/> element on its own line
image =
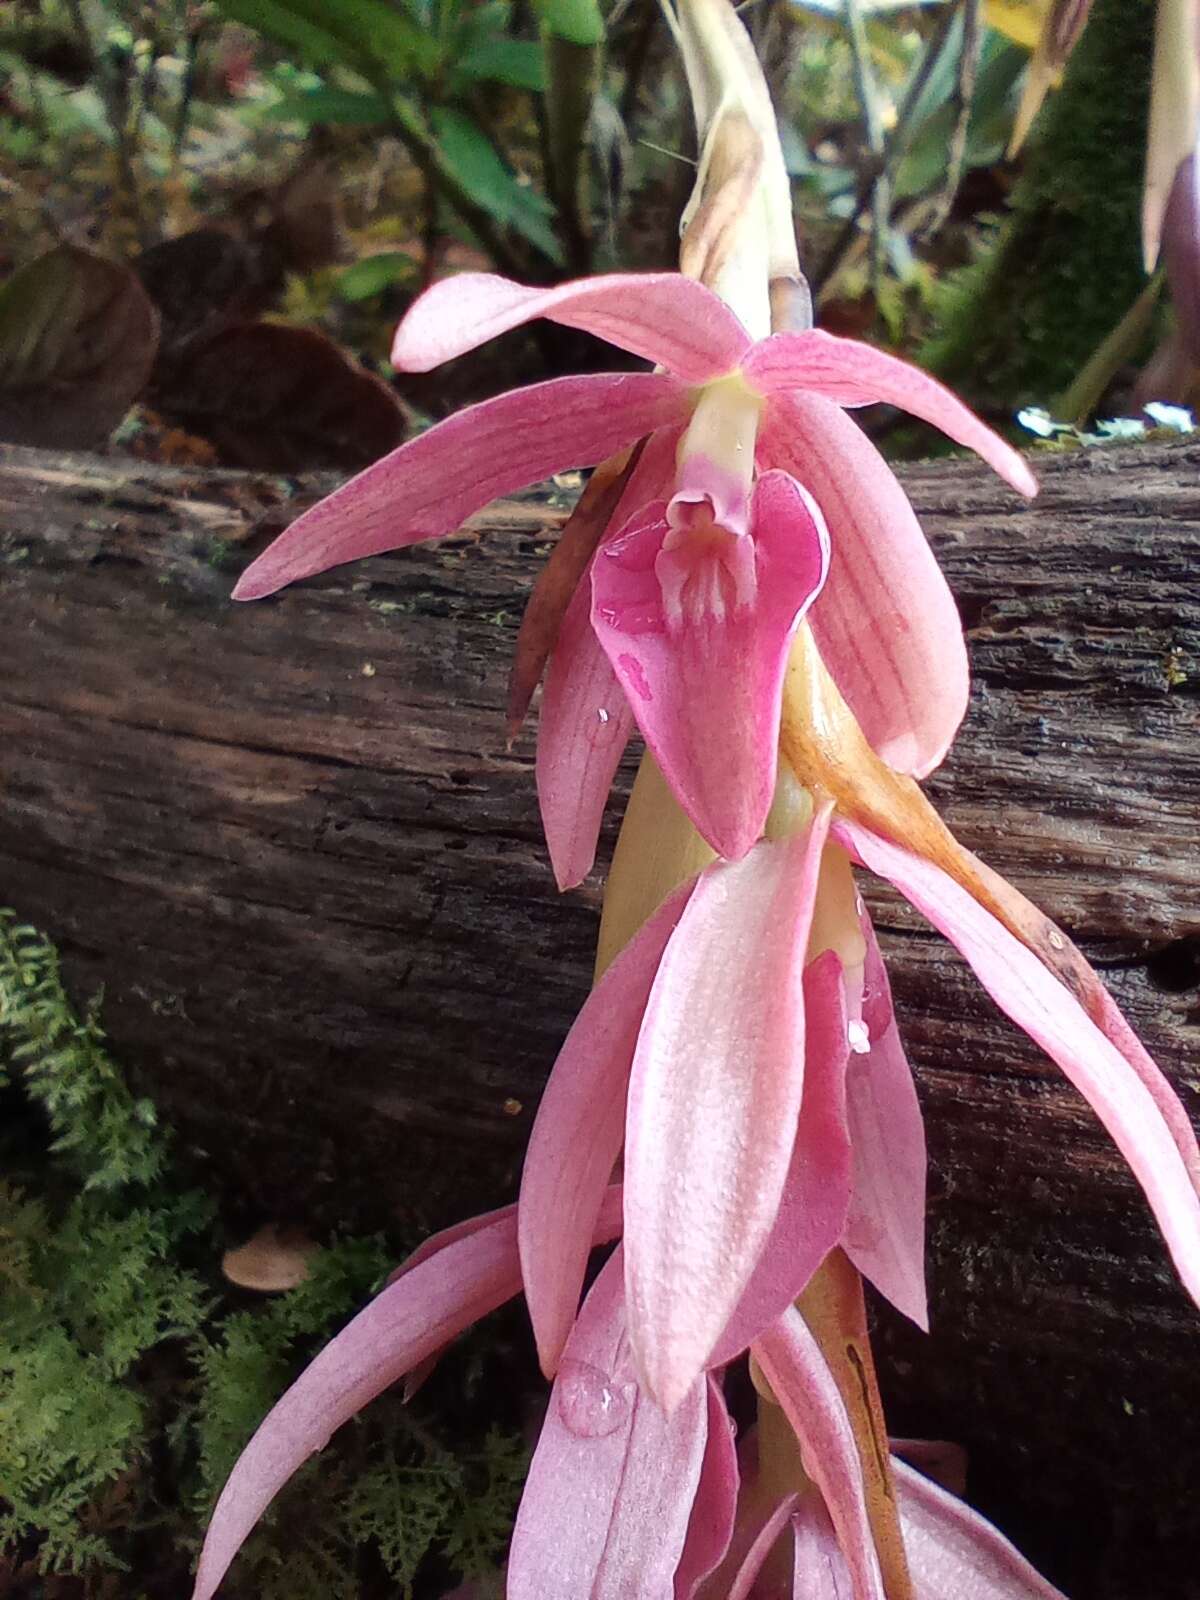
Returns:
<point x="1018" y="20"/>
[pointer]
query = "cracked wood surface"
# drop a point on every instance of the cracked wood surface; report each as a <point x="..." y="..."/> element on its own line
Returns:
<point x="290" y="842"/>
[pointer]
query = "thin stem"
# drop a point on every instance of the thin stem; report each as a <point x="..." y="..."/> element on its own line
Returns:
<point x="427" y="157"/>
<point x="834" y="1310"/>
<point x="964" y="99"/>
<point x="897" y="147"/>
<point x="869" y="98"/>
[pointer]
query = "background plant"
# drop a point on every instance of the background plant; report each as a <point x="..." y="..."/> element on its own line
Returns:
<point x="133" y="1373"/>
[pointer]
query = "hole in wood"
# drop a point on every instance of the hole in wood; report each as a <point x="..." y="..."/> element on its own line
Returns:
<point x="1176" y="967"/>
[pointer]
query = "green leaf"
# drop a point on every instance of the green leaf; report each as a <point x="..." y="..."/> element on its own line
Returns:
<point x="473" y="159"/>
<point x="576" y="21"/>
<point x="513" y="61"/>
<point x="373" y="274"/>
<point x="367" y="33"/>
<point x="346" y="107"/>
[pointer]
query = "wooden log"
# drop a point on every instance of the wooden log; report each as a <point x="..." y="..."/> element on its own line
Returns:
<point x="290" y="842"/>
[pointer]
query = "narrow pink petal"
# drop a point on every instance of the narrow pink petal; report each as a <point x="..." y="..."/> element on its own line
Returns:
<point x="578" y="1133"/>
<point x="885" y="622"/>
<point x="953" y="1553"/>
<point x="1118" y="1032"/>
<point x="704" y="675"/>
<point x="1036" y="1001"/>
<point x="406" y="1323"/>
<point x="583" y="727"/>
<point x="856" y="374"/>
<point x="714" y="1510"/>
<point x="662" y="316"/>
<point x="610" y="1492"/>
<point x="816" y="1196"/>
<point x="429" y="485"/>
<point x="793" y="1365"/>
<point x="885" y="1231"/>
<point x="585" y="720"/>
<point x="716" y="1090"/>
<point x="765" y="1540"/>
<point x="818" y="1565"/>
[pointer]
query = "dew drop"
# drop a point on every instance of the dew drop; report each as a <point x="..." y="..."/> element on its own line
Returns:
<point x="602" y="714"/>
<point x="590" y="1404"/>
<point x="858" y="1037"/>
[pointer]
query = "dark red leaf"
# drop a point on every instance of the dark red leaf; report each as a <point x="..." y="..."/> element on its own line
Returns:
<point x="77" y="341"/>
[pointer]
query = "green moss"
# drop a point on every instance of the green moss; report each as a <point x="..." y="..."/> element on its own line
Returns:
<point x="1018" y="325"/>
<point x="132" y="1375"/>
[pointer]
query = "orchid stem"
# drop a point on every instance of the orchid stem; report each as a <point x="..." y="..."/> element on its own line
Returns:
<point x="832" y="1305"/>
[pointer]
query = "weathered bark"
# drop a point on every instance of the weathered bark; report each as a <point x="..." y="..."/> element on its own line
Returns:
<point x="290" y="842"/>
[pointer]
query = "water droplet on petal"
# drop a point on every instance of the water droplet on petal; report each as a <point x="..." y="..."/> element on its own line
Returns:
<point x="858" y="1037"/>
<point x="602" y="714"/>
<point x="590" y="1404"/>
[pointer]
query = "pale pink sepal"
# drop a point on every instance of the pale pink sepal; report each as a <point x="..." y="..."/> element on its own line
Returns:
<point x="431" y="484"/>
<point x="662" y="316"/>
<point x="885" y="622"/>
<point x="816" y="1195"/>
<point x="585" y="720"/>
<point x="578" y="1133"/>
<point x="698" y="636"/>
<point x="801" y="1381"/>
<point x="818" y="1566"/>
<point x="609" y="1497"/>
<point x="450" y="1281"/>
<point x="1036" y="1001"/>
<point x="404" y="1325"/>
<point x="885" y="1230"/>
<point x="714" y="1510"/>
<point x="717" y="1083"/>
<point x="584" y="725"/>
<point x="855" y="374"/>
<point x="953" y="1553"/>
<point x="743" y="1586"/>
<point x="1117" y="1030"/>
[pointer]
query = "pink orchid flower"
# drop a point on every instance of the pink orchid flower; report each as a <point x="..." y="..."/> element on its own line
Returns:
<point x="624" y="1501"/>
<point x="754" y="1137"/>
<point x="717" y="1055"/>
<point x="776" y="504"/>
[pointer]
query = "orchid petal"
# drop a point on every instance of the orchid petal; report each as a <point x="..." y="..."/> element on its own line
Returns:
<point x="610" y="1491"/>
<point x="801" y="1381"/>
<point x="818" y="1565"/>
<point x="452" y="1280"/>
<point x="856" y="374"/>
<point x="953" y="1553"/>
<point x="716" y="1089"/>
<point x="585" y="720"/>
<point x="764" y="1542"/>
<point x="714" y="1510"/>
<point x="430" y="484"/>
<point x="816" y="1196"/>
<point x="578" y="1133"/>
<point x="885" y="622"/>
<point x="885" y="1231"/>
<point x="704" y="676"/>
<point x="402" y="1326"/>
<point x="661" y="316"/>
<point x="1033" y="997"/>
<point x="583" y="727"/>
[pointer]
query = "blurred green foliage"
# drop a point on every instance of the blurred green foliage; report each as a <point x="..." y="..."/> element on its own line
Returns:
<point x="133" y="1375"/>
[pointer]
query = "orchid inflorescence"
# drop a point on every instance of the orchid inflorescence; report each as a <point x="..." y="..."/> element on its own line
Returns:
<point x="746" y="583"/>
